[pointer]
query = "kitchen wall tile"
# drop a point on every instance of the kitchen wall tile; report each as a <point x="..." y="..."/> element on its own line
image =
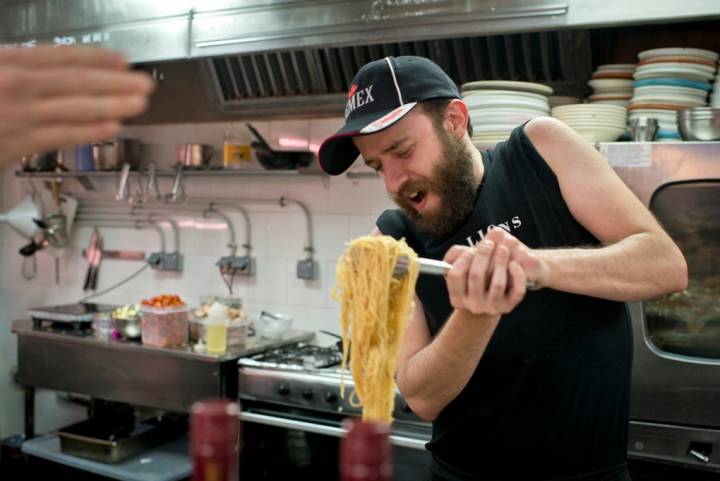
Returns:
<point x="287" y="235"/>
<point x="301" y="292"/>
<point x="242" y="133"/>
<point x="331" y="233"/>
<point x="289" y="134"/>
<point x="361" y="225"/>
<point x="269" y="283"/>
<point x="201" y="236"/>
<point x="320" y="129"/>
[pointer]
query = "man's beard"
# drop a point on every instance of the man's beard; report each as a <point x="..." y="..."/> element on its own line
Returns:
<point x="454" y="183"/>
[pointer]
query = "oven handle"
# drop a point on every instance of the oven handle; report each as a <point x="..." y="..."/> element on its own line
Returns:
<point x="280" y="422"/>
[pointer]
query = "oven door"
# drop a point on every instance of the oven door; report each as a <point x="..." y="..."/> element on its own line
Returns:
<point x="280" y="442"/>
<point x="676" y="376"/>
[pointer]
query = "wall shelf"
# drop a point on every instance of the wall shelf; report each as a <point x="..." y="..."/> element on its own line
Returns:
<point x="171" y="173"/>
<point x="85" y="177"/>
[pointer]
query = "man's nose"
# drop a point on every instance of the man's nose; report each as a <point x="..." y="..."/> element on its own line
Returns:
<point x="394" y="178"/>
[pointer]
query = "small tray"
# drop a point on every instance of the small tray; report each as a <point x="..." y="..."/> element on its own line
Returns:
<point x="89" y="440"/>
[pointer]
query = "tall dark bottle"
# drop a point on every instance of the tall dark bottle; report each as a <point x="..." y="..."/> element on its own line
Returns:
<point x="215" y="440"/>
<point x="365" y="452"/>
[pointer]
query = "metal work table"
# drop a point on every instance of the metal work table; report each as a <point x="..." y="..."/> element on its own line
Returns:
<point x="71" y="360"/>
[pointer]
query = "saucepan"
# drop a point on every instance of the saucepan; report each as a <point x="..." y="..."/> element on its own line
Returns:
<point x="195" y="155"/>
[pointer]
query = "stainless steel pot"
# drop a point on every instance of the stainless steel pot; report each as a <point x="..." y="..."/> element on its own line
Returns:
<point x="43" y="162"/>
<point x="195" y="155"/>
<point x="112" y="154"/>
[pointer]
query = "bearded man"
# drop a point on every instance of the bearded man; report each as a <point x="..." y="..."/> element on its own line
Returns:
<point x="519" y="385"/>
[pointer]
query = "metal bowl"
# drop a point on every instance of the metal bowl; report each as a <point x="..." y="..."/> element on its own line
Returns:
<point x="701" y="123"/>
<point x="128" y="328"/>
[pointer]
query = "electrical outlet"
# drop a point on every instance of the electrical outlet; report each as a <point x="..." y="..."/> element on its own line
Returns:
<point x="239" y="266"/>
<point x="166" y="261"/>
<point x="306" y="269"/>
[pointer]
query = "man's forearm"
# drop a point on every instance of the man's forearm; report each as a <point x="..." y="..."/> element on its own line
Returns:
<point x="436" y="374"/>
<point x="639" y="267"/>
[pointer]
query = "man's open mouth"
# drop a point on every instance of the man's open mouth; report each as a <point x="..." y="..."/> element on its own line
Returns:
<point x="416" y="197"/>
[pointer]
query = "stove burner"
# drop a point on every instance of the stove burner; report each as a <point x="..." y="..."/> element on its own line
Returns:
<point x="301" y="355"/>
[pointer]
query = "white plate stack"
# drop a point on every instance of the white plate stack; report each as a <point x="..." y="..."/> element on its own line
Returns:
<point x="558" y="100"/>
<point x="668" y="80"/>
<point x="498" y="106"/>
<point x="595" y="122"/>
<point x="612" y="84"/>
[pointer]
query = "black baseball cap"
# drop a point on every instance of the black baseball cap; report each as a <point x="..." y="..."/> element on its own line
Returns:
<point x="383" y="92"/>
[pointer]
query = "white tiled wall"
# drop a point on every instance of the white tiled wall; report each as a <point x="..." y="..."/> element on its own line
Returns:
<point x="341" y="209"/>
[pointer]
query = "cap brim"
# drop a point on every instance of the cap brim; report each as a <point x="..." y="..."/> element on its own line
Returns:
<point x="338" y="152"/>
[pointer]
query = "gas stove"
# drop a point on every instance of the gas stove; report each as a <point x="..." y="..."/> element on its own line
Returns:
<point x="307" y="377"/>
<point x="296" y="356"/>
<point x="293" y="414"/>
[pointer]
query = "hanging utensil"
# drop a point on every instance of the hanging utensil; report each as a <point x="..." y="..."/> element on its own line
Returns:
<point x="91" y="253"/>
<point x="96" y="265"/>
<point x="29" y="267"/>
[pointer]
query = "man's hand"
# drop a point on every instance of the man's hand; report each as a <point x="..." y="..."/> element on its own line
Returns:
<point x="536" y="269"/>
<point x="52" y="98"/>
<point x="484" y="280"/>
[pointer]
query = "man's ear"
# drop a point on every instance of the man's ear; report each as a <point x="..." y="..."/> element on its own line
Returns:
<point x="456" y="118"/>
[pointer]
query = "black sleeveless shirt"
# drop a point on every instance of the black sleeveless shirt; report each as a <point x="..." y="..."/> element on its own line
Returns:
<point x="549" y="398"/>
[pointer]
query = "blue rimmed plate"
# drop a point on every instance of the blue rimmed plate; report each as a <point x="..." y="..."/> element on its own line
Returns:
<point x="680" y="82"/>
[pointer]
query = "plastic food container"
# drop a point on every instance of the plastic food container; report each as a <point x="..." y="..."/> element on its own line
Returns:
<point x="237" y="332"/>
<point x="165" y="327"/>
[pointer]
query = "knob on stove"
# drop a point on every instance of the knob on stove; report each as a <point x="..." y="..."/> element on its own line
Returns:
<point x="307" y="394"/>
<point x="331" y="397"/>
<point x="284" y="389"/>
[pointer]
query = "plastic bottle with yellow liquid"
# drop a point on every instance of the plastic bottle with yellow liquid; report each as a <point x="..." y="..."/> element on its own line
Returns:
<point x="236" y="155"/>
<point x="217" y="324"/>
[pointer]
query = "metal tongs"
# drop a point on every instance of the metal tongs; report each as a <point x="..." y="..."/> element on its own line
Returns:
<point x="427" y="266"/>
<point x="433" y="267"/>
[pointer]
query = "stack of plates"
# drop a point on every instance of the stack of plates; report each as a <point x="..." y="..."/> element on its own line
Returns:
<point x="668" y="80"/>
<point x="595" y="122"/>
<point x="558" y="100"/>
<point x="612" y="84"/>
<point x="497" y="107"/>
<point x="715" y="97"/>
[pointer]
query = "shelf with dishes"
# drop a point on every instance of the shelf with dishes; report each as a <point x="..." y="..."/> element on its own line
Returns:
<point x="670" y="95"/>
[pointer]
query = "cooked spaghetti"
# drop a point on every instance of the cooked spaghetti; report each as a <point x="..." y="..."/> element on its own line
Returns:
<point x="374" y="310"/>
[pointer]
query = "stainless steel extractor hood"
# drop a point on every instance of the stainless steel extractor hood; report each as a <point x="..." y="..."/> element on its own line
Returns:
<point x="313" y="81"/>
<point x="225" y="58"/>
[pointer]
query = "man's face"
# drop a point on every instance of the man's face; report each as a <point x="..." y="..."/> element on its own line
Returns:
<point x="427" y="172"/>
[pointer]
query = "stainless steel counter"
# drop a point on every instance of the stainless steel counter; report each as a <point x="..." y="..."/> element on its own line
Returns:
<point x="253" y="345"/>
<point x="171" y="379"/>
